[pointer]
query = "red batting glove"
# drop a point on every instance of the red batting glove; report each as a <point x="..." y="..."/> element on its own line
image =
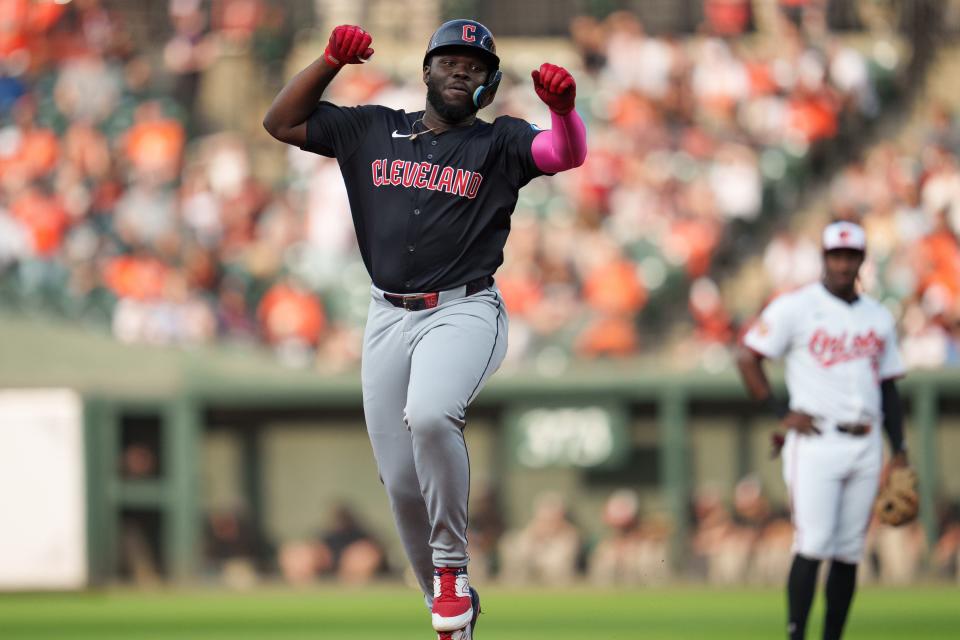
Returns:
<point x="348" y="45"/>
<point x="556" y="87"/>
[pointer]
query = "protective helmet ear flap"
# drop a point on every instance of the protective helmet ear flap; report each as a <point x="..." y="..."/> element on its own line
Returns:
<point x="487" y="90"/>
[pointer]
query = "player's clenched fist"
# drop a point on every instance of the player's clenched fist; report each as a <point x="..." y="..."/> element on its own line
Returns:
<point x="556" y="87"/>
<point x="348" y="44"/>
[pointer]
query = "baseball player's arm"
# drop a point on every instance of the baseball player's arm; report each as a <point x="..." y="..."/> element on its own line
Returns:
<point x="286" y="119"/>
<point x="890" y="369"/>
<point x="770" y="337"/>
<point x="893" y="421"/>
<point x="564" y="146"/>
<point x="750" y="364"/>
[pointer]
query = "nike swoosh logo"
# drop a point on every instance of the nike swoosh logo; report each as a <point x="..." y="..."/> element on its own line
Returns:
<point x="400" y="135"/>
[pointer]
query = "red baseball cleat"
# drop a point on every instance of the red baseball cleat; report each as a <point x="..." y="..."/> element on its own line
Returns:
<point x="452" y="600"/>
<point x="467" y="632"/>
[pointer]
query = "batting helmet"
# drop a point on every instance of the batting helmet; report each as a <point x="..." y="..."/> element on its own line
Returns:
<point x="473" y="35"/>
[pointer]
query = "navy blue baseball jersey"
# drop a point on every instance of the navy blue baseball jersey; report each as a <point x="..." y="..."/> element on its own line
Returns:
<point x="431" y="211"/>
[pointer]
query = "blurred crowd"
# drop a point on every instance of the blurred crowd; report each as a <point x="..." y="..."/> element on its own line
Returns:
<point x="735" y="540"/>
<point x="121" y="203"/>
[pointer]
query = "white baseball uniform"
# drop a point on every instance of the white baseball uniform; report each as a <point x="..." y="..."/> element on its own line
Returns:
<point x="837" y="354"/>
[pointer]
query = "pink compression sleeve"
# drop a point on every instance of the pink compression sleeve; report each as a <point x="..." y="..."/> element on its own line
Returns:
<point x="562" y="147"/>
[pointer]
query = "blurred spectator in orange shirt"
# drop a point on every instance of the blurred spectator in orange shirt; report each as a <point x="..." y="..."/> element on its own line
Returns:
<point x="32" y="151"/>
<point x="520" y="289"/>
<point x="615" y="287"/>
<point x="45" y="219"/>
<point x="692" y="241"/>
<point x="812" y="116"/>
<point x="727" y="17"/>
<point x="140" y="277"/>
<point x="520" y="280"/>
<point x="288" y="313"/>
<point x="20" y="19"/>
<point x="39" y="149"/>
<point x="610" y="335"/>
<point x="613" y="290"/>
<point x="154" y="143"/>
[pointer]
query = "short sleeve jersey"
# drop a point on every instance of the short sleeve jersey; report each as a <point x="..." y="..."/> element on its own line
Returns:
<point x="836" y="353"/>
<point x="431" y="212"/>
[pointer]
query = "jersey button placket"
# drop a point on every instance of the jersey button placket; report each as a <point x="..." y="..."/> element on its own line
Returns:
<point x="412" y="236"/>
<point x="853" y="389"/>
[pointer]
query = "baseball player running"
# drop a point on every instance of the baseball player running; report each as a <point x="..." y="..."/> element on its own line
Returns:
<point x="431" y="194"/>
<point x="840" y="348"/>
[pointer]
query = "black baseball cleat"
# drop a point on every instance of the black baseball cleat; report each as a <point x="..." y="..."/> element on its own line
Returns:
<point x="475" y="599"/>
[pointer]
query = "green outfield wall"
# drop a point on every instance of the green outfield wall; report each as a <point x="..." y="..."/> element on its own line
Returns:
<point x="283" y="449"/>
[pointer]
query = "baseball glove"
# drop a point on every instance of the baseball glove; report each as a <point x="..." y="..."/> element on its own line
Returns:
<point x="898" y="502"/>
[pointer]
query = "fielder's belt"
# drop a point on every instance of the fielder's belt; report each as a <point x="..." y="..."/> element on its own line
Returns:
<point x="422" y="301"/>
<point x="854" y="429"/>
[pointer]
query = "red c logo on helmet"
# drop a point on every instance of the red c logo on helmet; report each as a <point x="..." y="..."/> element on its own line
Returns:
<point x="468" y="31"/>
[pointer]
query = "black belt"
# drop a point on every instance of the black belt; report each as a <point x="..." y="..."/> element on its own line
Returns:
<point x="854" y="429"/>
<point x="422" y="301"/>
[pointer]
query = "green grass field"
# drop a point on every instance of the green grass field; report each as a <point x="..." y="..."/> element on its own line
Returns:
<point x="383" y="613"/>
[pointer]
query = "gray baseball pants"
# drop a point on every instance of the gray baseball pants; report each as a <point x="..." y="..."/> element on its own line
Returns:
<point x="420" y="370"/>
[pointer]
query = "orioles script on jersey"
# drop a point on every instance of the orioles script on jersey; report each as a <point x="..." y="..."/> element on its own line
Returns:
<point x="426" y="175"/>
<point x="830" y="350"/>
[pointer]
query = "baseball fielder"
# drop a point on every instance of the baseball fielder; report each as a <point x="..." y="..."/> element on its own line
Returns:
<point x="840" y="348"/>
<point x="431" y="194"/>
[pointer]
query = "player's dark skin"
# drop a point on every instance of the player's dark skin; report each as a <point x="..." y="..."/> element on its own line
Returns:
<point x="452" y="76"/>
<point x="840" y="270"/>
